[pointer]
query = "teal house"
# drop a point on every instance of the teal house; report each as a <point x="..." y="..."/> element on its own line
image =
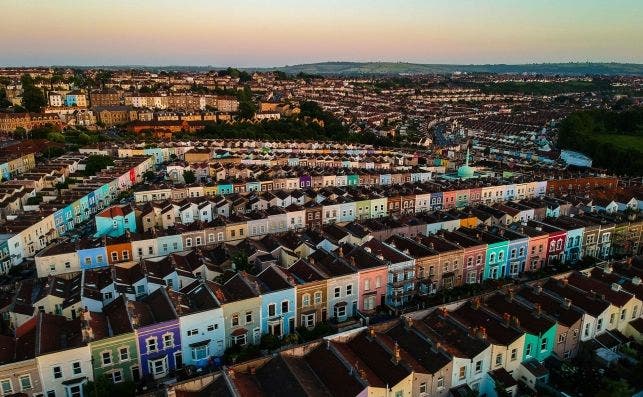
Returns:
<point x="540" y="331"/>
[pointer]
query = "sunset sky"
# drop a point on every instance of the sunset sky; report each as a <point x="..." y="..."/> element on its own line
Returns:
<point x="279" y="32"/>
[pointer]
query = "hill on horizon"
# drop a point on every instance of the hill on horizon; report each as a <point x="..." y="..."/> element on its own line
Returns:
<point x="390" y="68"/>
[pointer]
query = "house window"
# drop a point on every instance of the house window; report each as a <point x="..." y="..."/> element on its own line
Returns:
<point x="116" y="376"/>
<point x="235" y="320"/>
<point x="151" y="344"/>
<point x="478" y="366"/>
<point x="88" y="261"/>
<point x="106" y="358"/>
<point x="58" y="372"/>
<point x="528" y="350"/>
<point x="340" y="311"/>
<point x="338" y="292"/>
<point x="25" y="382"/>
<point x="599" y="323"/>
<point x="284" y="307"/>
<point x="543" y="345"/>
<point x="305" y="300"/>
<point x="123" y="354"/>
<point x="74" y="391"/>
<point x="248" y="317"/>
<point x="76" y="368"/>
<point x="168" y="340"/>
<point x="440" y="383"/>
<point x="623" y="314"/>
<point x="272" y="309"/>
<point x="369" y="302"/>
<point x="192" y="332"/>
<point x="158" y="367"/>
<point x="188" y="242"/>
<point x="498" y="359"/>
<point x="349" y="290"/>
<point x="7" y="388"/>
<point x="462" y="373"/>
<point x="367" y="284"/>
<point x="125" y="255"/>
<point x="308" y="320"/>
<point x="318" y="297"/>
<point x="239" y="340"/>
<point x="200" y="352"/>
<point x="378" y="282"/>
<point x="562" y="337"/>
<point x="514" y="354"/>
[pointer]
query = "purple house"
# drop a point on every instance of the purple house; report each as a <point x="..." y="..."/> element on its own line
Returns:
<point x="305" y="181"/>
<point x="157" y="332"/>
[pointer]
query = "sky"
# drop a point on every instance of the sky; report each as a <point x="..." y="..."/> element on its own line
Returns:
<point x="264" y="33"/>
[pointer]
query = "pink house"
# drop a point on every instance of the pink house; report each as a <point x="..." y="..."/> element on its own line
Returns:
<point x="372" y="273"/>
<point x="448" y="199"/>
<point x="475" y="195"/>
<point x="536" y="248"/>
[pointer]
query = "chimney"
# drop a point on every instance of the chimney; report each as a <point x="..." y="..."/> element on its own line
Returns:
<point x="564" y="281"/>
<point x="516" y="322"/>
<point x="476" y="303"/>
<point x="396" y="354"/>
<point x="567" y="303"/>
<point x="371" y="332"/>
<point x="538" y="289"/>
<point x="482" y="333"/>
<point x="253" y="370"/>
<point x="607" y="269"/>
<point x="408" y="322"/>
<point x="510" y="295"/>
<point x="636" y="280"/>
<point x="352" y="259"/>
<point x="616" y="287"/>
<point x="231" y="373"/>
<point x="444" y="312"/>
<point x="507" y="319"/>
<point x="341" y="252"/>
<point x="537" y="310"/>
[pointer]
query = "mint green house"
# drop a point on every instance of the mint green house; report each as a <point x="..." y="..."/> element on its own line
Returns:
<point x="540" y="331"/>
<point x="115" y="356"/>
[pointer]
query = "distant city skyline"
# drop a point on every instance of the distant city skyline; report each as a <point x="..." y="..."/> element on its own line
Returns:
<point x="256" y="33"/>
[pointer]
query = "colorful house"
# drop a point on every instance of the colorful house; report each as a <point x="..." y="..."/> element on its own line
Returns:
<point x="540" y="331"/>
<point x="115" y="355"/>
<point x="201" y="323"/>
<point x="371" y="275"/>
<point x="278" y="303"/>
<point x="156" y="324"/>
<point x="115" y="221"/>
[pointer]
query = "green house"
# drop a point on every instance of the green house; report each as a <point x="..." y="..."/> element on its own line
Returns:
<point x="115" y="355"/>
<point x="540" y="331"/>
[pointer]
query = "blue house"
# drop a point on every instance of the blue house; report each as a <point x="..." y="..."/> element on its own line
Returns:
<point x="92" y="254"/>
<point x="225" y="188"/>
<point x="385" y="179"/>
<point x="169" y="244"/>
<point x="278" y="302"/>
<point x="115" y="221"/>
<point x="517" y="252"/>
<point x="436" y="201"/>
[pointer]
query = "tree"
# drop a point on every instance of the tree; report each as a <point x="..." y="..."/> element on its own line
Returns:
<point x="32" y="97"/>
<point x="149" y="176"/>
<point x="189" y="177"/>
<point x="56" y="137"/>
<point x="614" y="388"/>
<point x="4" y="102"/>
<point x="247" y="110"/>
<point x="102" y="387"/>
<point x="97" y="162"/>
